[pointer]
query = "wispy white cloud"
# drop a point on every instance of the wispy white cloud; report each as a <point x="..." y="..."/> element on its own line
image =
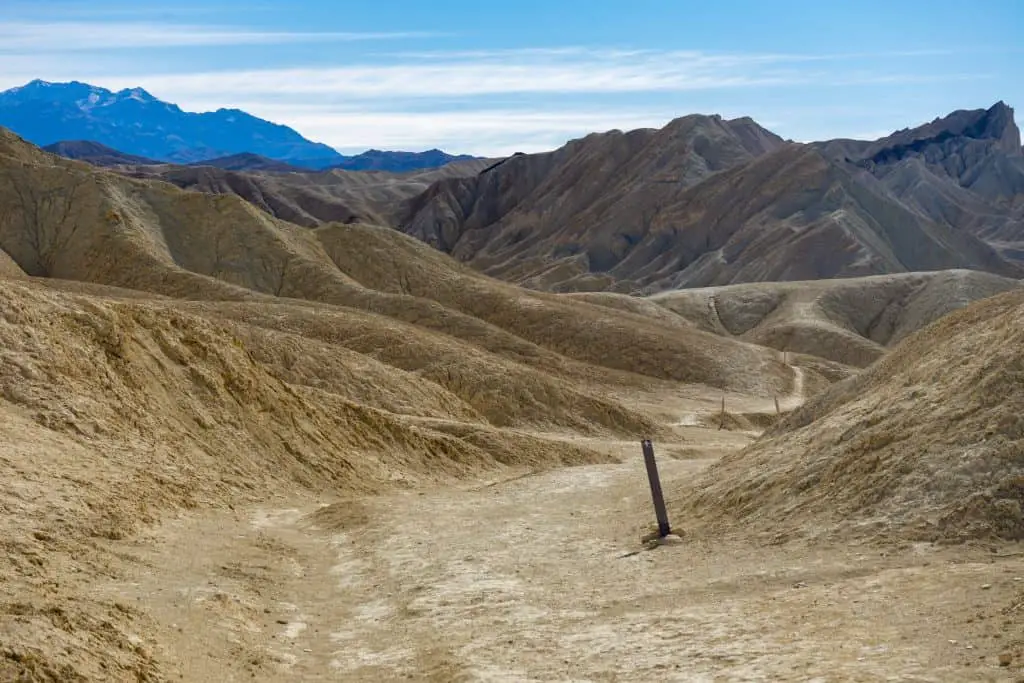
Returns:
<point x="489" y="102"/>
<point x="723" y="58"/>
<point x="42" y="37"/>
<point x="567" y="71"/>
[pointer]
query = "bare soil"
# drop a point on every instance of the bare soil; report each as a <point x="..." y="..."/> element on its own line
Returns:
<point x="543" y="578"/>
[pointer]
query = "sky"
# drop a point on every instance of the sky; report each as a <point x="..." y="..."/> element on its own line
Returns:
<point x="493" y="78"/>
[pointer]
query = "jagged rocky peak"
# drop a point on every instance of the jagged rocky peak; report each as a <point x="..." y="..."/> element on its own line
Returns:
<point x="998" y="124"/>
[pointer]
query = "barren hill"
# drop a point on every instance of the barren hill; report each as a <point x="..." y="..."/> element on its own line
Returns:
<point x="228" y="434"/>
<point x="848" y="320"/>
<point x="67" y="220"/>
<point x="926" y="444"/>
<point x="399" y="162"/>
<point x="965" y="170"/>
<point x="539" y="213"/>
<point x="181" y="350"/>
<point x="203" y="386"/>
<point x="247" y="161"/>
<point x="711" y="202"/>
<point x="308" y="198"/>
<point x="95" y="153"/>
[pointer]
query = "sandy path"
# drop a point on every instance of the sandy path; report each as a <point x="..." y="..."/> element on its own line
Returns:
<point x="537" y="578"/>
<point x="749" y="404"/>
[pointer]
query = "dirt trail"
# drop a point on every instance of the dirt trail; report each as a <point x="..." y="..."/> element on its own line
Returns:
<point x="542" y="578"/>
<point x="745" y="404"/>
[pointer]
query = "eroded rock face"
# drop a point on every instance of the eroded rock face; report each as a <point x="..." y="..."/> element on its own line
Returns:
<point x="706" y="201"/>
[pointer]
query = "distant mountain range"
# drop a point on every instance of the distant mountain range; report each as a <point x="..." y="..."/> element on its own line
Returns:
<point x="64" y="117"/>
<point x="377" y="160"/>
<point x="704" y="201"/>
<point x="96" y="153"/>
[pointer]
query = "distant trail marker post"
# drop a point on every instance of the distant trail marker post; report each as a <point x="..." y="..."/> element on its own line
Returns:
<point x="656" y="495"/>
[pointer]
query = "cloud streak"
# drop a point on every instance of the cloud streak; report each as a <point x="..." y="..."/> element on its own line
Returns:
<point x="43" y="37"/>
<point x="567" y="71"/>
<point x="489" y="102"/>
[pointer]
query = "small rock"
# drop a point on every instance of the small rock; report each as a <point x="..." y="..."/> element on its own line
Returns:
<point x="306" y="649"/>
<point x="671" y="539"/>
<point x="799" y="584"/>
<point x="1005" y="659"/>
<point x="986" y="586"/>
<point x="282" y="621"/>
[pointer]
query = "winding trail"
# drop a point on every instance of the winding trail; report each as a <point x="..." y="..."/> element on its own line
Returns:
<point x="747" y="404"/>
<point x="538" y="578"/>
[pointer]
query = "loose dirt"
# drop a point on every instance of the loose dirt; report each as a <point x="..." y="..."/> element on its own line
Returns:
<point x="544" y="578"/>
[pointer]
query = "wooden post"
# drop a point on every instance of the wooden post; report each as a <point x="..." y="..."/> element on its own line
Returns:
<point x="721" y="416"/>
<point x="777" y="411"/>
<point x="656" y="495"/>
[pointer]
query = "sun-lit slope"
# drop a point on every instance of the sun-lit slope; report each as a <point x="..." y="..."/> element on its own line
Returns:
<point x="117" y="411"/>
<point x="928" y="443"/>
<point x="190" y="245"/>
<point x="850" y="320"/>
<point x="8" y="268"/>
<point x="104" y="228"/>
<point x="310" y="345"/>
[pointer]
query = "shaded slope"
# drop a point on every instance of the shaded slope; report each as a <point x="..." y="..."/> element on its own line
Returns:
<point x="95" y="153"/>
<point x="398" y="162"/>
<point x="965" y="170"/>
<point x="700" y="202"/>
<point x="247" y="161"/>
<point x="303" y="197"/>
<point x="925" y="444"/>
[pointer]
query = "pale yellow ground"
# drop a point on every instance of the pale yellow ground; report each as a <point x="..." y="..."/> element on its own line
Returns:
<point x="543" y="578"/>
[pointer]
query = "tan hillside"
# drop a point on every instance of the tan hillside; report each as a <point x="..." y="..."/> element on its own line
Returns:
<point x="926" y="444"/>
<point x="847" y="320"/>
<point x="8" y="267"/>
<point x="234" y="448"/>
<point x="97" y="226"/>
<point x="116" y="413"/>
<point x="179" y="351"/>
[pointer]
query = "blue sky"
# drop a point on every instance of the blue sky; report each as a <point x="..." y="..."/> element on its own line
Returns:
<point x="493" y="78"/>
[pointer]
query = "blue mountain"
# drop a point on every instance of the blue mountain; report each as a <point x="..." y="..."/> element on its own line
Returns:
<point x="136" y="123"/>
<point x="378" y="160"/>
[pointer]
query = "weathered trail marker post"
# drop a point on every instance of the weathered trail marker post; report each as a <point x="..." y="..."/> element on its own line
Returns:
<point x="656" y="495"/>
